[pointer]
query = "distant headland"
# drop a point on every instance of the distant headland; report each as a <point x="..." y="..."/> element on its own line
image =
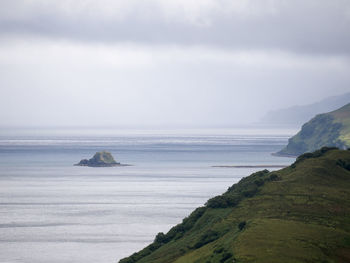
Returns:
<point x="328" y="129"/>
<point x="100" y="159"/>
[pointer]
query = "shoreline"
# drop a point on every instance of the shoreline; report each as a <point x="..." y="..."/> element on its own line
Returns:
<point x="284" y="155"/>
<point x="251" y="166"/>
<point x="105" y="165"/>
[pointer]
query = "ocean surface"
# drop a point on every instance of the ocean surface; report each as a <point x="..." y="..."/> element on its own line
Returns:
<point x="52" y="211"/>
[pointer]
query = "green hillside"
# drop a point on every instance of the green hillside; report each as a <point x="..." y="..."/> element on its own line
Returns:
<point x="329" y="129"/>
<point x="298" y="214"/>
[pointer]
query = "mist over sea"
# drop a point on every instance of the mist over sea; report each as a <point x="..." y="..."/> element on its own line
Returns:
<point x="52" y="211"/>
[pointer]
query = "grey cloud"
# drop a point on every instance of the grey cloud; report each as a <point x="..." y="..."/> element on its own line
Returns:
<point x="320" y="27"/>
<point x="150" y="65"/>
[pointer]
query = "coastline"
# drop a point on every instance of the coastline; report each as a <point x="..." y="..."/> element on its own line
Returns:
<point x="104" y="165"/>
<point x="284" y="155"/>
<point x="251" y="166"/>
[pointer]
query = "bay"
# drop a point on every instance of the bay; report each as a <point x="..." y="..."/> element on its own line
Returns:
<point x="52" y="211"/>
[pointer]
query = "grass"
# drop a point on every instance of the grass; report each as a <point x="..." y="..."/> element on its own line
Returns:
<point x="298" y="214"/>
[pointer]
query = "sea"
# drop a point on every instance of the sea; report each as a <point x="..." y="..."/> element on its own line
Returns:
<point x="52" y="211"/>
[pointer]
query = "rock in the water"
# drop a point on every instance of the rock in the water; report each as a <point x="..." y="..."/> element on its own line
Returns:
<point x="100" y="159"/>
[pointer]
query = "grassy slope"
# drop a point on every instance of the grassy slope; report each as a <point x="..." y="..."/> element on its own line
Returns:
<point x="343" y="116"/>
<point x="329" y="129"/>
<point x="297" y="214"/>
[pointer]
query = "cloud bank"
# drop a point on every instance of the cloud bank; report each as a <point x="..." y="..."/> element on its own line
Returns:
<point x="299" y="26"/>
<point x="190" y="63"/>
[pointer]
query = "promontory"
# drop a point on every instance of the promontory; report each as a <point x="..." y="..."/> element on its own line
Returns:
<point x="329" y="129"/>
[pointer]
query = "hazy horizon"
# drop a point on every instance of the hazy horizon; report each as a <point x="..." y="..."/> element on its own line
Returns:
<point x="213" y="63"/>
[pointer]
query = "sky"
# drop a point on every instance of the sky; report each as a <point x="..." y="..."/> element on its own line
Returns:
<point x="167" y="63"/>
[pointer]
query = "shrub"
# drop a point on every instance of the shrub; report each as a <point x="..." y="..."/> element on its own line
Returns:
<point x="242" y="225"/>
<point x="208" y="237"/>
<point x="323" y="150"/>
<point x="274" y="177"/>
<point x="218" y="250"/>
<point x="225" y="257"/>
<point x="161" y="238"/>
<point x="315" y="154"/>
<point x="259" y="182"/>
<point x="304" y="157"/>
<point x="262" y="173"/>
<point x="179" y="230"/>
<point x="231" y="188"/>
<point x="246" y="187"/>
<point x="344" y="164"/>
<point x="222" y="201"/>
<point x="250" y="192"/>
<point x="189" y="221"/>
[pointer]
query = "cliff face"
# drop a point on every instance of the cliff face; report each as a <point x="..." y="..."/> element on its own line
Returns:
<point x="329" y="129"/>
<point x="100" y="159"/>
<point x="298" y="214"/>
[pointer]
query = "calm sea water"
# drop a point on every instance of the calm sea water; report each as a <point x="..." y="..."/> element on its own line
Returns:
<point x="52" y="211"/>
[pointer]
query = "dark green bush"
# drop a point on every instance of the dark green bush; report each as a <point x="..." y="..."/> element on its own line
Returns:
<point x="262" y="173"/>
<point x="274" y="177"/>
<point x="189" y="221"/>
<point x="304" y="157"/>
<point x="314" y="154"/>
<point x="225" y="257"/>
<point x="218" y="250"/>
<point x="242" y="225"/>
<point x="208" y="237"/>
<point x="127" y="260"/>
<point x="246" y="187"/>
<point x="161" y="238"/>
<point x="222" y="201"/>
<point x="231" y="188"/>
<point x="259" y="182"/>
<point x="344" y="164"/>
<point x="250" y="193"/>
<point x="323" y="150"/>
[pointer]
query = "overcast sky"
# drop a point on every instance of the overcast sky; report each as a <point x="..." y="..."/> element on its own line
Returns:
<point x="159" y="63"/>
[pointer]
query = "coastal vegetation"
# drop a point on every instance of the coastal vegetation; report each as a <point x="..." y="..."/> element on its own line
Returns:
<point x="298" y="214"/>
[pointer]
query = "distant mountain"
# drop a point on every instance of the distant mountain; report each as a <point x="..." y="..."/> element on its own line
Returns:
<point x="328" y="129"/>
<point x="297" y="214"/>
<point x="297" y="115"/>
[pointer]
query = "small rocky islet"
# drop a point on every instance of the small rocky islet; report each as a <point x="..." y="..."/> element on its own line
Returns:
<point x="100" y="159"/>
